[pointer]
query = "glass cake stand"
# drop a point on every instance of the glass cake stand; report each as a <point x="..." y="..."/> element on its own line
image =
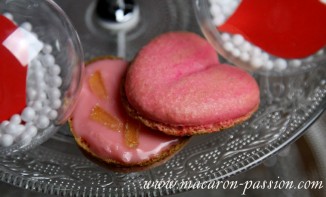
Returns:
<point x="289" y="105"/>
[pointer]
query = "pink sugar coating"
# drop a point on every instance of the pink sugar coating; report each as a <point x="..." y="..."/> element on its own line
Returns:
<point x="176" y="79"/>
<point x="106" y="143"/>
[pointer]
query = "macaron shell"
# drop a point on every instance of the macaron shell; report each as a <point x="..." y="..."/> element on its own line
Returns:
<point x="184" y="129"/>
<point x="188" y="91"/>
<point x="108" y="144"/>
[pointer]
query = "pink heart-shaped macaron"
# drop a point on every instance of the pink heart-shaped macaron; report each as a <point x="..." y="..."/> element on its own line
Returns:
<point x="288" y="29"/>
<point x="176" y="84"/>
<point x="12" y="75"/>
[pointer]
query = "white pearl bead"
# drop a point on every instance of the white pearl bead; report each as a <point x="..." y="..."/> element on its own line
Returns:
<point x="222" y="3"/>
<point x="41" y="96"/>
<point x="246" y="46"/>
<point x="8" y="16"/>
<point x="54" y="70"/>
<point x="295" y="63"/>
<point x="215" y="9"/>
<point x="226" y="37"/>
<point x="39" y="75"/>
<point x="256" y="52"/>
<point x="31" y="80"/>
<point x="227" y="10"/>
<point x="36" y="64"/>
<point x="47" y="49"/>
<point x="31" y="131"/>
<point x="19" y="129"/>
<point x="28" y="114"/>
<point x="27" y="26"/>
<point x="4" y="124"/>
<point x="245" y="56"/>
<point x="46" y="102"/>
<point x="268" y="65"/>
<point x="6" y="140"/>
<point x="48" y="79"/>
<point x="28" y="124"/>
<point x="256" y="62"/>
<point x="31" y="93"/>
<point x="265" y="56"/>
<point x="56" y="104"/>
<point x="53" y="114"/>
<point x="15" y="119"/>
<point x="237" y="40"/>
<point x="236" y="52"/>
<point x="228" y="46"/>
<point x="55" y="81"/>
<point x="11" y="128"/>
<point x="58" y="80"/>
<point x="219" y="20"/>
<point x="320" y="52"/>
<point x="48" y="60"/>
<point x="280" y="64"/>
<point x="233" y="4"/>
<point x="309" y="59"/>
<point x="42" y="122"/>
<point x="54" y="93"/>
<point x="37" y="105"/>
<point x="45" y="110"/>
<point x="41" y="86"/>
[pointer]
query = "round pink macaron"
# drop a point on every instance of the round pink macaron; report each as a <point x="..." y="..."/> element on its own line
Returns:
<point x="176" y="85"/>
<point x="104" y="130"/>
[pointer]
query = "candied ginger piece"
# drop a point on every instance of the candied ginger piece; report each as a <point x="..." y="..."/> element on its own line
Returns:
<point x="131" y="134"/>
<point x="97" y="86"/>
<point x="99" y="115"/>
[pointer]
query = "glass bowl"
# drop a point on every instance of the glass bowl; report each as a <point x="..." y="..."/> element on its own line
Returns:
<point x="39" y="35"/>
<point x="230" y="38"/>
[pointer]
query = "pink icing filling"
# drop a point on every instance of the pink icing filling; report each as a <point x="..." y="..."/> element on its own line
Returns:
<point x="104" y="142"/>
<point x="177" y="79"/>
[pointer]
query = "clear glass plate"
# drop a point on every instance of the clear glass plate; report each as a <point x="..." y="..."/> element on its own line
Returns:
<point x="289" y="105"/>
